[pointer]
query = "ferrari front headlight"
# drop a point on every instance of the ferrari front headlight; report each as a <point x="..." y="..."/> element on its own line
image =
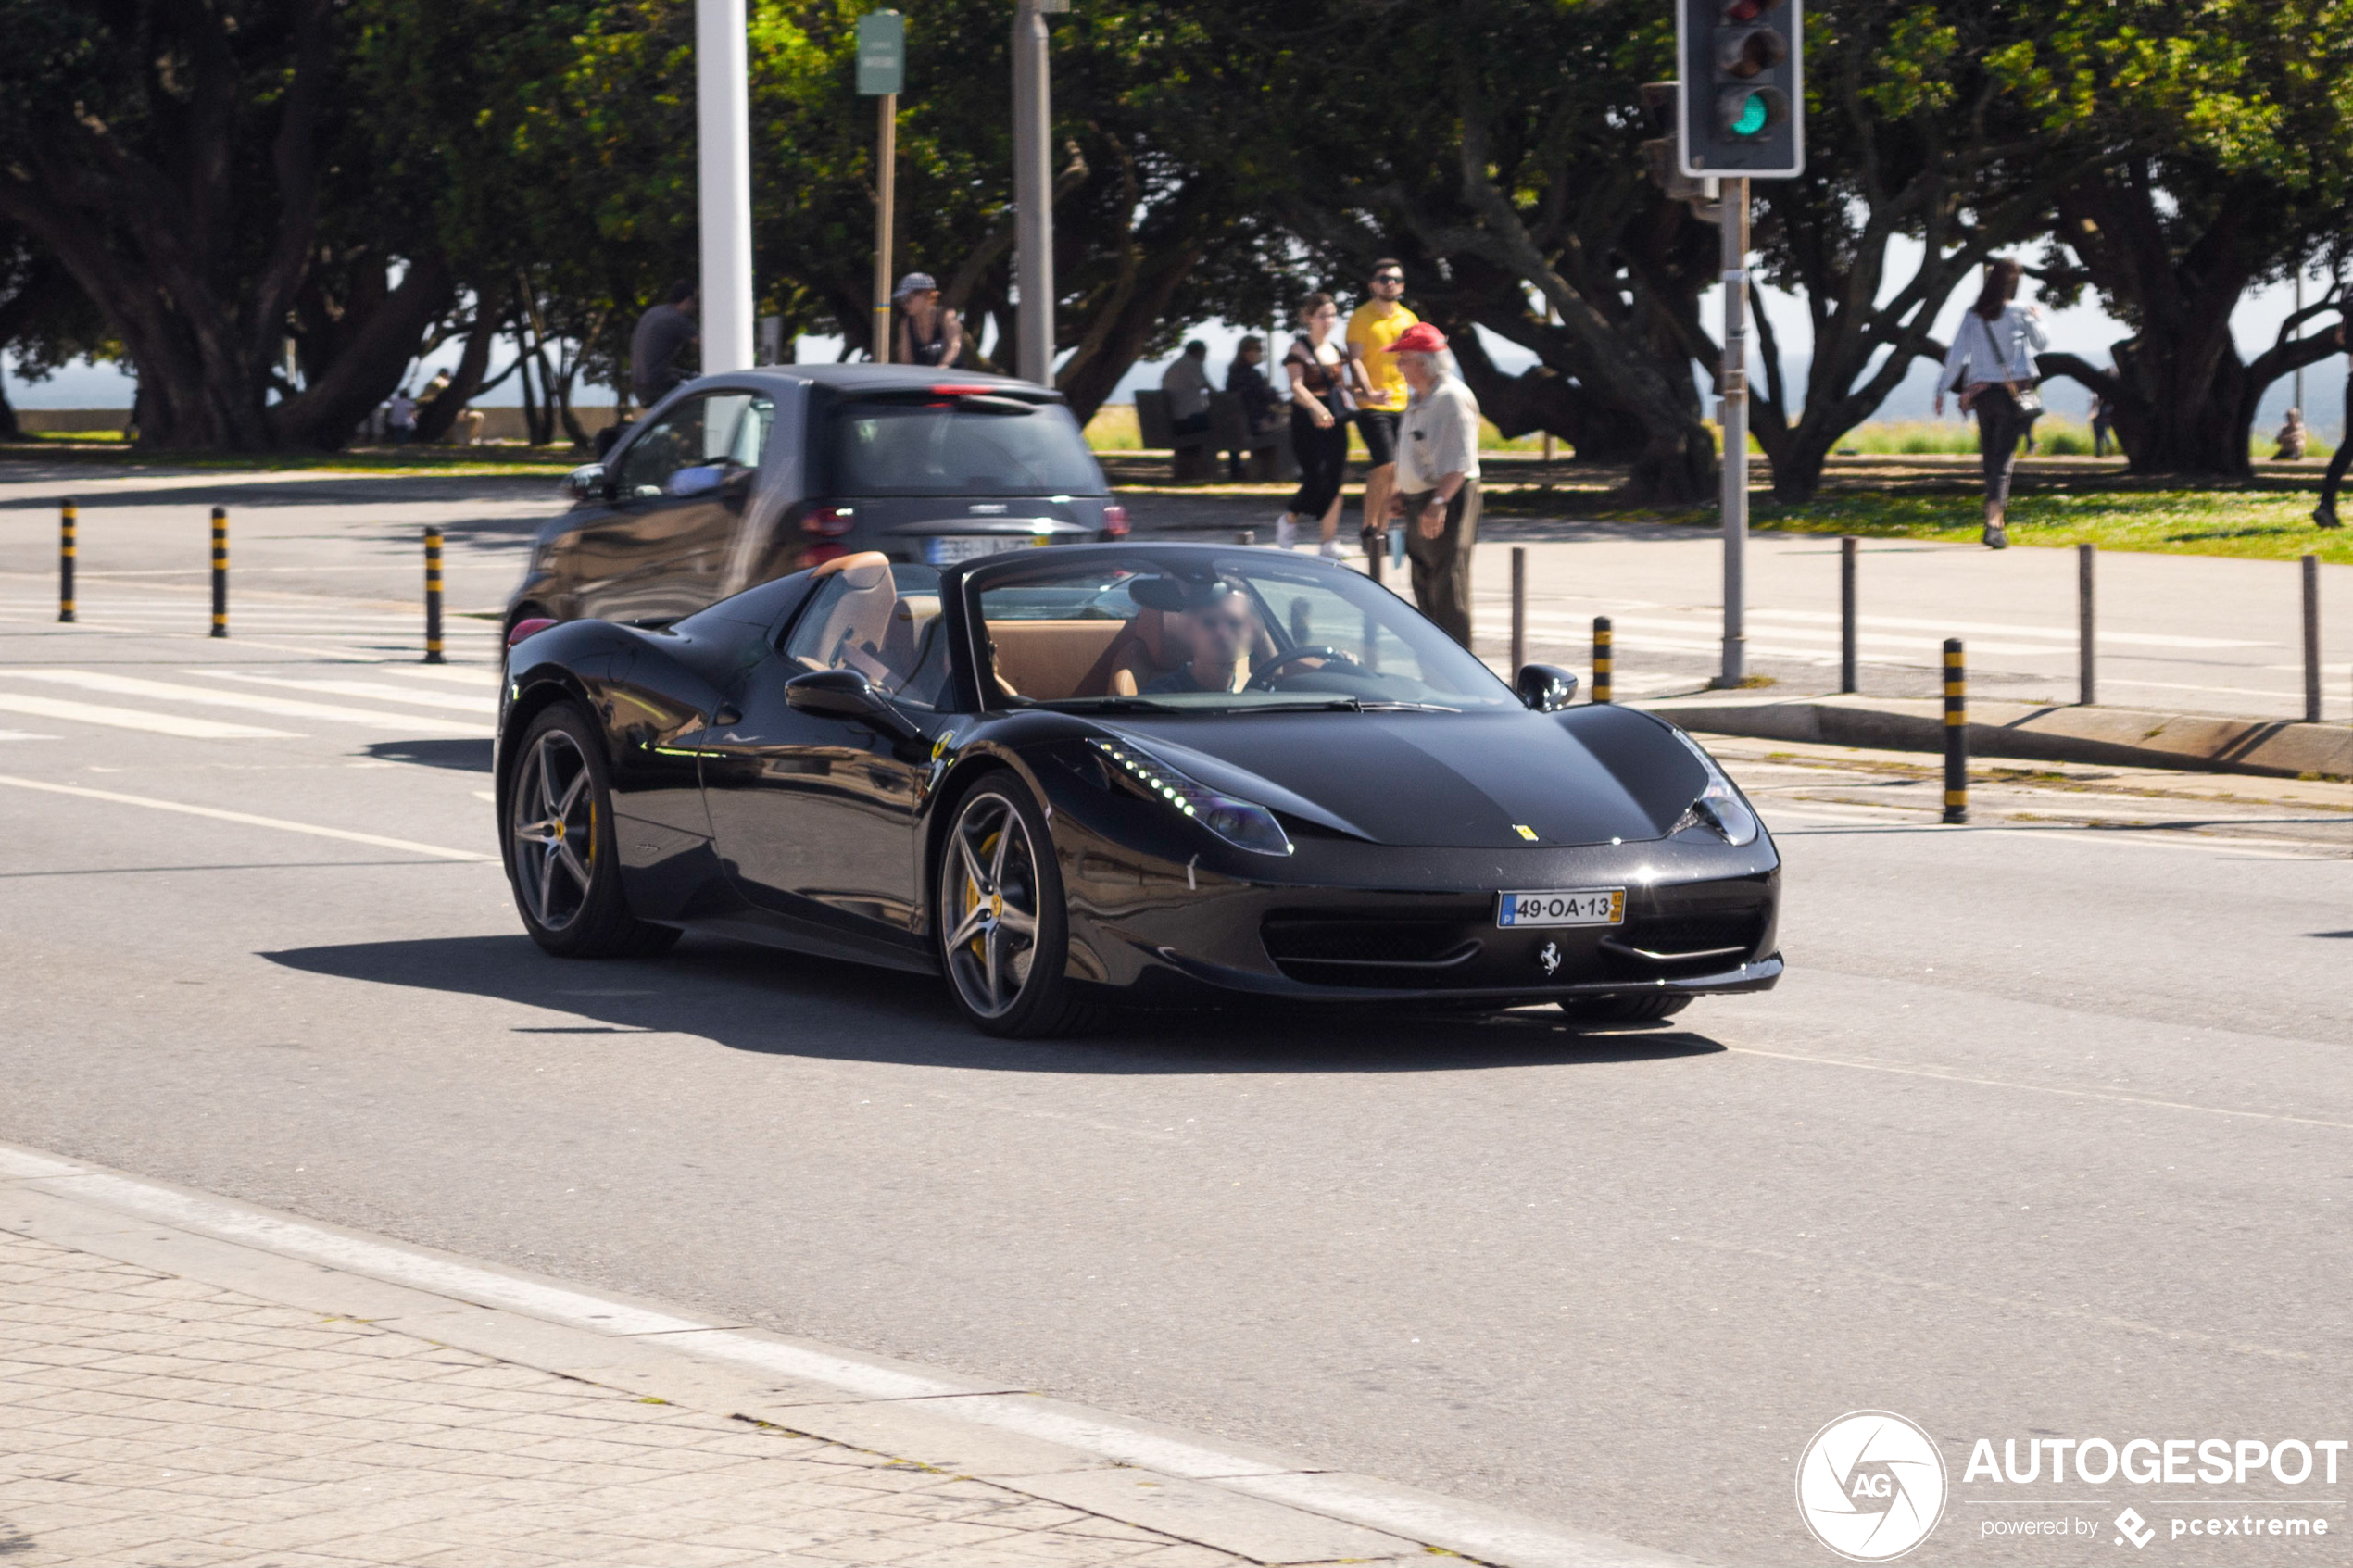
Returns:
<point x="1242" y="823"/>
<point x="1720" y="805"/>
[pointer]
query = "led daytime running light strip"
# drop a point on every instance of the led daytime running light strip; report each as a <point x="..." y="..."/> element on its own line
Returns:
<point x="1242" y="823"/>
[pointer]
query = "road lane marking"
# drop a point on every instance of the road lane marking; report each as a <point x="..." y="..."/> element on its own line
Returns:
<point x="287" y="708"/>
<point x="133" y="719"/>
<point x="485" y="704"/>
<point x="1944" y="1075"/>
<point x="248" y="820"/>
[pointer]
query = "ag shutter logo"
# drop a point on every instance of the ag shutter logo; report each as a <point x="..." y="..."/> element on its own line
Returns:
<point x="1871" y="1486"/>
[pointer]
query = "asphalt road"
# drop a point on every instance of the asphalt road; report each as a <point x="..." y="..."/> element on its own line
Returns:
<point x="2046" y="1134"/>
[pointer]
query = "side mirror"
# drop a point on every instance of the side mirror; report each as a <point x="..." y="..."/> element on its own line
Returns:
<point x="844" y="694"/>
<point x="1545" y="687"/>
<point x="586" y="483"/>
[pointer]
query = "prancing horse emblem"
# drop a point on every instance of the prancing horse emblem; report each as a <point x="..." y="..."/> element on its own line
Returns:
<point x="1550" y="958"/>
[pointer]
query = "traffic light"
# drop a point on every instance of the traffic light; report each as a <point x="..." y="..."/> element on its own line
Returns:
<point x="1743" y="91"/>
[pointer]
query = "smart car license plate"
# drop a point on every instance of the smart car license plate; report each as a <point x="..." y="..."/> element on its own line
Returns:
<point x="1580" y="906"/>
<point x="953" y="548"/>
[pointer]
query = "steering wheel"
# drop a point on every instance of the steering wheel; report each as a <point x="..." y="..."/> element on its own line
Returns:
<point x="1265" y="673"/>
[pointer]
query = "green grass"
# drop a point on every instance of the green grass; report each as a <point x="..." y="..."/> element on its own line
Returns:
<point x="2262" y="525"/>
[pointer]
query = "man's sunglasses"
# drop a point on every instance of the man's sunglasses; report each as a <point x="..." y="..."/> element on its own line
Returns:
<point x="1398" y="277"/>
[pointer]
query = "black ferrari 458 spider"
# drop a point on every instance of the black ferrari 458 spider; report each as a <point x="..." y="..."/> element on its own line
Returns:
<point x="1172" y="774"/>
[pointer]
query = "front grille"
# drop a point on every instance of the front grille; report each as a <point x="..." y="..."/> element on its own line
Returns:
<point x="1366" y="950"/>
<point x="1653" y="948"/>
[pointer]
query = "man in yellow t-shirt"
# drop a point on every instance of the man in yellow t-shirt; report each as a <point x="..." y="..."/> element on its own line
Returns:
<point x="1371" y="330"/>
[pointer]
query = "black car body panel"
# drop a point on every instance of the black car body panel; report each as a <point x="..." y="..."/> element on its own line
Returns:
<point x="739" y="814"/>
<point x="652" y="558"/>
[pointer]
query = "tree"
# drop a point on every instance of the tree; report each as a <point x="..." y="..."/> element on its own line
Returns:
<point x="1495" y="144"/>
<point x="181" y="163"/>
<point x="45" y="320"/>
<point x="2234" y="175"/>
<point x="1950" y="125"/>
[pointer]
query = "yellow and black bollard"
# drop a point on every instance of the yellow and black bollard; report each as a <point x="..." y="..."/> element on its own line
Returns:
<point x="68" y="515"/>
<point x="433" y="596"/>
<point x="1601" y="658"/>
<point x="1955" y="733"/>
<point x="219" y="571"/>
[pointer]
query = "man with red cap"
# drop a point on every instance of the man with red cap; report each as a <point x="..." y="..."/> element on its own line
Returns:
<point x="1438" y="480"/>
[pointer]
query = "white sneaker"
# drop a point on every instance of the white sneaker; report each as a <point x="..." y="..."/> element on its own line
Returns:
<point x="1331" y="550"/>
<point x="1286" y="532"/>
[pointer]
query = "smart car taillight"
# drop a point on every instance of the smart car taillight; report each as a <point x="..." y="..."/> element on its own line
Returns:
<point x="526" y="627"/>
<point x="829" y="522"/>
<point x="1114" y="521"/>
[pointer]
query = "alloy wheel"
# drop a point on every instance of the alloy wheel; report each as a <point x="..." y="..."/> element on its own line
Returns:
<point x="992" y="880"/>
<point x="554" y="831"/>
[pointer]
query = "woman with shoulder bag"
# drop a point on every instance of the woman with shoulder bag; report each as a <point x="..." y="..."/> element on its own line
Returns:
<point x="1992" y="364"/>
<point x="1324" y="382"/>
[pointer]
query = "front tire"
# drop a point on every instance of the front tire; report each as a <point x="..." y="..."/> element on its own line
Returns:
<point x="1639" y="1008"/>
<point x="1002" y="930"/>
<point x="557" y="834"/>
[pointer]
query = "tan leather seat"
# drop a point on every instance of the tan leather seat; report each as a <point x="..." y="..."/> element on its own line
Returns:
<point x="1048" y="660"/>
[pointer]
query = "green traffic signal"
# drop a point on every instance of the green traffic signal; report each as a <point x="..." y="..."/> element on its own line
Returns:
<point x="1750" y="119"/>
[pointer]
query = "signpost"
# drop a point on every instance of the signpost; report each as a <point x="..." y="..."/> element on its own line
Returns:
<point x="723" y="168"/>
<point x="1033" y="193"/>
<point x="882" y="74"/>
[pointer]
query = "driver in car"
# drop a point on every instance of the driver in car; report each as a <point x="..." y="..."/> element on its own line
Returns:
<point x="1223" y="628"/>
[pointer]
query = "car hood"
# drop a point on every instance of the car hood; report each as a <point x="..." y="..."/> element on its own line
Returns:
<point x="1442" y="780"/>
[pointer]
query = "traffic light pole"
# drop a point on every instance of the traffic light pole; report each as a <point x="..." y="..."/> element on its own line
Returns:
<point x="1732" y="385"/>
<point x="1032" y="195"/>
<point x="723" y="178"/>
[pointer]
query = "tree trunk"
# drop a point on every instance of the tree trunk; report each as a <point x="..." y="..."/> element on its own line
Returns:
<point x="1540" y="398"/>
<point x="9" y="429"/>
<point x="435" y="417"/>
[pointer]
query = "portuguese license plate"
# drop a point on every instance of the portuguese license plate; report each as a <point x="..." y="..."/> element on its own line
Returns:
<point x="1577" y="906"/>
<point x="952" y="549"/>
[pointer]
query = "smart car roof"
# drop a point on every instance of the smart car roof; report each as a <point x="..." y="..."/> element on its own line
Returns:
<point x="866" y="378"/>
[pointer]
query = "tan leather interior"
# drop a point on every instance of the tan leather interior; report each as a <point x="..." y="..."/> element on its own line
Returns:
<point x="1154" y="643"/>
<point x="1046" y="659"/>
<point x="911" y="621"/>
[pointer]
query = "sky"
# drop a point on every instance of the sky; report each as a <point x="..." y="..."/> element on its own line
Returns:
<point x="2085" y="330"/>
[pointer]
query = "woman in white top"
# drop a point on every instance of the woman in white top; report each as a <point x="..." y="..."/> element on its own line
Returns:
<point x="1992" y="364"/>
<point x="1323" y="383"/>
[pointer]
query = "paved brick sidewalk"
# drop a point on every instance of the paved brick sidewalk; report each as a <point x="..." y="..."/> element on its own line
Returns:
<point x="154" y="1422"/>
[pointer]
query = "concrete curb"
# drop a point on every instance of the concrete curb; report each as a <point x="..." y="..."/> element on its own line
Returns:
<point x="2117" y="736"/>
<point x="1255" y="1503"/>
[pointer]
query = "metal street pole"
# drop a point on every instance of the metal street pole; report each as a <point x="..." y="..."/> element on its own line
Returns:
<point x="723" y="148"/>
<point x="1032" y="192"/>
<point x="885" y="206"/>
<point x="1732" y="382"/>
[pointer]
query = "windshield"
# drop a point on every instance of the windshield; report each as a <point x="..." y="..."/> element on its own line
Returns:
<point x="959" y="449"/>
<point x="1196" y="631"/>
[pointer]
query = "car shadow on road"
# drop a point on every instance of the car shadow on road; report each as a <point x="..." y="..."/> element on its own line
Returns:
<point x="757" y="1000"/>
<point x="467" y="756"/>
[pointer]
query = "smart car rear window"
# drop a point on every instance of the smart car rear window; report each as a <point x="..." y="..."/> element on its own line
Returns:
<point x="944" y="448"/>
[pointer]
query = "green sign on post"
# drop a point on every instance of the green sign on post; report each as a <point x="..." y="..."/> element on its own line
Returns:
<point x="882" y="54"/>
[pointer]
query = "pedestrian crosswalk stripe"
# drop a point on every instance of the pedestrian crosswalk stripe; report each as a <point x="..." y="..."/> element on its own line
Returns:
<point x="248" y="819"/>
<point x="485" y="704"/>
<point x="482" y="677"/>
<point x="23" y="735"/>
<point x="132" y="719"/>
<point x="257" y="702"/>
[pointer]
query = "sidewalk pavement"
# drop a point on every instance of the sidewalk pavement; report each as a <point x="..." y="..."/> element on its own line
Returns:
<point x="161" y="1422"/>
<point x="189" y="1382"/>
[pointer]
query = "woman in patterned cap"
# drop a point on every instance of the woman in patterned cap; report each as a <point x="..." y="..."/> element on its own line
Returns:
<point x="928" y="333"/>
